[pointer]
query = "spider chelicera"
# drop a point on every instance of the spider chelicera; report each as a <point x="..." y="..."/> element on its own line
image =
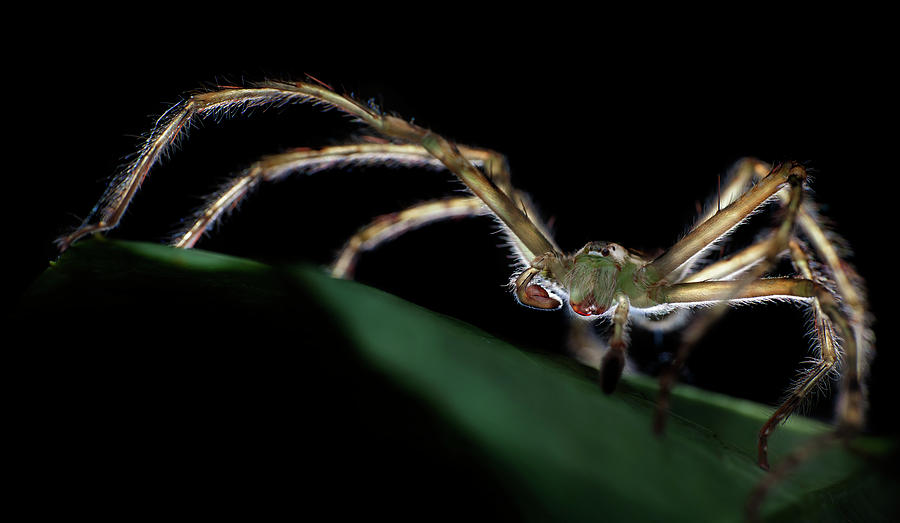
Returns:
<point x="602" y="280"/>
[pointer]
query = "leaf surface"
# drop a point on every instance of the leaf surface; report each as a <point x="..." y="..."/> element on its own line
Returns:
<point x="534" y="427"/>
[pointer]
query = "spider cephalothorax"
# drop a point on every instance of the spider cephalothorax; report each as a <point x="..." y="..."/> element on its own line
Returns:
<point x="590" y="277"/>
<point x="599" y="272"/>
<point x="602" y="279"/>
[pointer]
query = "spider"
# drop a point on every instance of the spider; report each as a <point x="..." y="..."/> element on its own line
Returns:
<point x="600" y="281"/>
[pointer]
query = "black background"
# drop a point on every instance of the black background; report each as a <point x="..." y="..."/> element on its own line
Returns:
<point x="610" y="152"/>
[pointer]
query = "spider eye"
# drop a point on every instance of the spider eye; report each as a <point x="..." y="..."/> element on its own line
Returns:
<point x="605" y="252"/>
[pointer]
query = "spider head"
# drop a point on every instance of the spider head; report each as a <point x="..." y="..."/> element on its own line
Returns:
<point x="592" y="280"/>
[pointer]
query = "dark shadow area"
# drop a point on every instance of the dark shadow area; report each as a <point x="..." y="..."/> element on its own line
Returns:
<point x="164" y="390"/>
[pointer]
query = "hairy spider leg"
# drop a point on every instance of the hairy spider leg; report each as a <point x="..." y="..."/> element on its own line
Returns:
<point x="826" y="352"/>
<point x="108" y="212"/>
<point x="771" y="248"/>
<point x="307" y="161"/>
<point x="850" y="411"/>
<point x="798" y="288"/>
<point x="716" y="226"/>
<point x="825" y="242"/>
<point x="387" y="227"/>
<point x="738" y="180"/>
<point x="854" y="363"/>
<point x="848" y="284"/>
<point x="383" y="228"/>
<point x="851" y="407"/>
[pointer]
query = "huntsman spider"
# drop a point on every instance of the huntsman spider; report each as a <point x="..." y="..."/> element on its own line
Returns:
<point x="602" y="280"/>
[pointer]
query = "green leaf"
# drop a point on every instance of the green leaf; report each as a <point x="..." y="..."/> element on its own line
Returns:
<point x="534" y="432"/>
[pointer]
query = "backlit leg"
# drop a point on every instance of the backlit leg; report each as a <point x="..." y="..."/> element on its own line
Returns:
<point x="768" y="251"/>
<point x="797" y="288"/>
<point x="112" y="205"/>
<point x="108" y="212"/>
<point x="308" y="161"/>
<point x="390" y="226"/>
<point x="720" y="223"/>
<point x="739" y="179"/>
